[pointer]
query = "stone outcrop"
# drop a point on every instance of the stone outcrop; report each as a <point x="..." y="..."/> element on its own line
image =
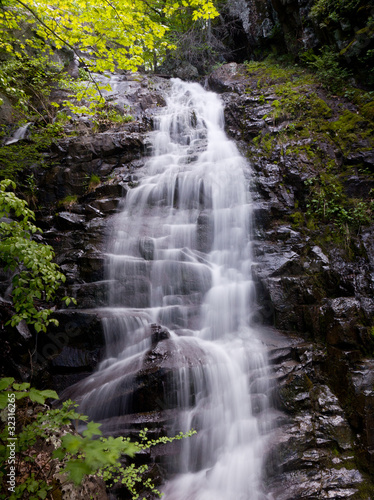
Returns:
<point x="314" y="449"/>
<point x="294" y="27"/>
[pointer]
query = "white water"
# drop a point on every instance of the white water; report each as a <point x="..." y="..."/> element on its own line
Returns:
<point x="18" y="135"/>
<point x="181" y="257"/>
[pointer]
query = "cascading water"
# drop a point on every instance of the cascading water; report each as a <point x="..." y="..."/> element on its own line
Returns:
<point x="181" y="258"/>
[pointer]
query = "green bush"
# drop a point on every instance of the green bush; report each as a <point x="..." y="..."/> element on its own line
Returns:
<point x="328" y="70"/>
<point x="36" y="278"/>
<point x="328" y="203"/>
<point x="25" y="446"/>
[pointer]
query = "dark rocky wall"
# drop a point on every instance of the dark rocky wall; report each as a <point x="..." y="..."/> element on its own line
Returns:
<point x="276" y="27"/>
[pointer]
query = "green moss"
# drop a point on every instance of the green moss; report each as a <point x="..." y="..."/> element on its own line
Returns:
<point x="269" y="73"/>
<point x="297" y="220"/>
<point x="309" y="121"/>
<point x="319" y="108"/>
<point x="365" y="491"/>
<point x="368" y="110"/>
<point x="68" y="202"/>
<point x="93" y="182"/>
<point x="348" y="128"/>
<point x="347" y="123"/>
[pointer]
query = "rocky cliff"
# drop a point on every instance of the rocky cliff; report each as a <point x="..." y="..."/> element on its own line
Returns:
<point x="314" y="279"/>
<point x="253" y="28"/>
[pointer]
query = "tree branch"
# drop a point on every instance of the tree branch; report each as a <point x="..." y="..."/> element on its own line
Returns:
<point x="35" y="15"/>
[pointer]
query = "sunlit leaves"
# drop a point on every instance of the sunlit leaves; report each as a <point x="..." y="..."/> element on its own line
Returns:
<point x="106" y="33"/>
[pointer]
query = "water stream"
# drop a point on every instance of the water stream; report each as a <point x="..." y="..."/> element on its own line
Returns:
<point x="181" y="257"/>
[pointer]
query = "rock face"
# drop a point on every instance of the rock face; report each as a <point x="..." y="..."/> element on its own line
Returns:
<point x="295" y="27"/>
<point x="314" y="450"/>
<point x="318" y="298"/>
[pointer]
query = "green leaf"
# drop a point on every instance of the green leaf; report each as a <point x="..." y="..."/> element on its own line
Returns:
<point x="21" y="395"/>
<point x="3" y="400"/>
<point x="37" y="396"/>
<point x="77" y="470"/>
<point x="93" y="429"/>
<point x="21" y="387"/>
<point x="71" y="443"/>
<point x="6" y="382"/>
<point x="43" y="493"/>
<point x="59" y="453"/>
<point x="50" y="394"/>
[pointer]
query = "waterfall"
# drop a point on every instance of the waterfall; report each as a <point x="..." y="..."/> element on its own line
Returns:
<point x="180" y="257"/>
<point x="18" y="135"/>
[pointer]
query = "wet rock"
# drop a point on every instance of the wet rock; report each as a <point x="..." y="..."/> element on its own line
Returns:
<point x="91" y="295"/>
<point x="205" y="232"/>
<point x="187" y="72"/>
<point x="158" y="334"/>
<point x="73" y="359"/>
<point x="91" y="266"/>
<point x="312" y="451"/>
<point x="67" y="220"/>
<point x="227" y="78"/>
<point x="358" y="187"/>
<point x="363" y="388"/>
<point x="78" y="332"/>
<point x="106" y="206"/>
<point x="146" y="248"/>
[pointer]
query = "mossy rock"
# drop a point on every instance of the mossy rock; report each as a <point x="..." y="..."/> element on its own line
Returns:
<point x="368" y="110"/>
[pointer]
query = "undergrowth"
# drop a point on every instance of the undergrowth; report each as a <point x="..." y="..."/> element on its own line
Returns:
<point x="40" y="450"/>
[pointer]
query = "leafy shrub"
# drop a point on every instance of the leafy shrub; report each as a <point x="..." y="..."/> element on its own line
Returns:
<point x="76" y="456"/>
<point x="28" y="82"/>
<point x="36" y="278"/>
<point x="327" y="203"/>
<point x="333" y="10"/>
<point x="328" y="70"/>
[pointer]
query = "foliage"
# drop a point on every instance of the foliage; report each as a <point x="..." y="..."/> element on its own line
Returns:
<point x="116" y="34"/>
<point x="93" y="182"/>
<point x="68" y="202"/>
<point x="328" y="70"/>
<point x="112" y="34"/>
<point x="108" y="116"/>
<point x="18" y="158"/>
<point x="327" y="11"/>
<point x="327" y="203"/>
<point x="76" y="456"/>
<point x="36" y="278"/>
<point x="198" y="43"/>
<point x="28" y="83"/>
<point x="15" y="159"/>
